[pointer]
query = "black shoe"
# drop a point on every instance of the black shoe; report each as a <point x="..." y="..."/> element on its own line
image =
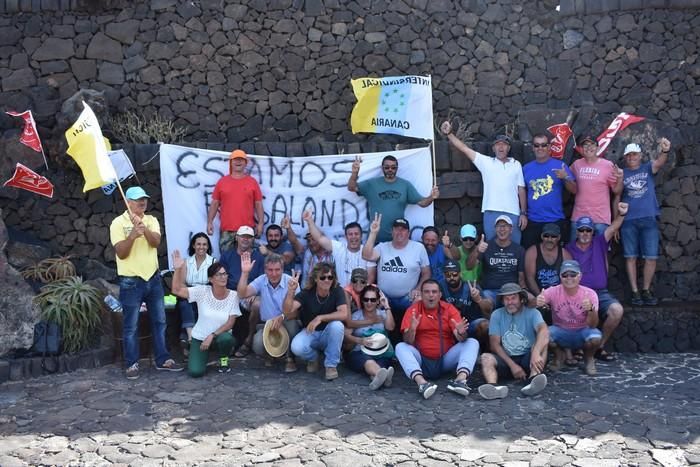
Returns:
<point x="648" y="298"/>
<point x="637" y="299"/>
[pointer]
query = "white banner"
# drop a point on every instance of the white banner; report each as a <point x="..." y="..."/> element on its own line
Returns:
<point x="289" y="185"/>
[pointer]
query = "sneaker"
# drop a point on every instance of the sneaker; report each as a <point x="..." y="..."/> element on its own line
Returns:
<point x="489" y="391"/>
<point x="223" y="365"/>
<point x="648" y="298"/>
<point x="331" y="373"/>
<point x="312" y="366"/>
<point x="133" y="371"/>
<point x="290" y="366"/>
<point x="427" y="389"/>
<point x="389" y="377"/>
<point x="378" y="380"/>
<point x="636" y="299"/>
<point x="459" y="387"/>
<point x="536" y="386"/>
<point x="170" y="365"/>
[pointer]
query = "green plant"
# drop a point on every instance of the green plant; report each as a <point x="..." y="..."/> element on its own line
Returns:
<point x="132" y="127"/>
<point x="50" y="269"/>
<point x="75" y="306"/>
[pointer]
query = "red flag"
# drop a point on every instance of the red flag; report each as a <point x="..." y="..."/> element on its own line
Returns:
<point x="29" y="137"/>
<point x="562" y="132"/>
<point x="26" y="179"/>
<point x="619" y="123"/>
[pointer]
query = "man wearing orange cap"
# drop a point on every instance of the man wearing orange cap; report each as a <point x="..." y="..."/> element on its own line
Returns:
<point x="240" y="199"/>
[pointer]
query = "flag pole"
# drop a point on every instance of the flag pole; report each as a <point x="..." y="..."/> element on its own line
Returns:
<point x="432" y="143"/>
<point x="121" y="190"/>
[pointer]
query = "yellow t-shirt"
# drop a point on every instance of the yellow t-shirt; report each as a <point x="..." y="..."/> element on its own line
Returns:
<point x="143" y="258"/>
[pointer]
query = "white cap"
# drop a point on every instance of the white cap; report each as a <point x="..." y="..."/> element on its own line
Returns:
<point x="245" y="230"/>
<point x="503" y="218"/>
<point x="632" y="147"/>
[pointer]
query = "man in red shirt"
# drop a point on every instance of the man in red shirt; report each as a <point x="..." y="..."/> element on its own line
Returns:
<point x="240" y="199"/>
<point x="435" y="342"/>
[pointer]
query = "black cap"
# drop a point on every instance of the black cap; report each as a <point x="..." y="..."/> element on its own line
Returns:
<point x="401" y="222"/>
<point x="502" y="139"/>
<point x="450" y="266"/>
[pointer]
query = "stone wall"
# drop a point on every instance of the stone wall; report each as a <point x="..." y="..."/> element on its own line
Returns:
<point x="274" y="76"/>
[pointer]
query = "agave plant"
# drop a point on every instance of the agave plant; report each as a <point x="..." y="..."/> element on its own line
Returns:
<point x="50" y="269"/>
<point x="73" y="305"/>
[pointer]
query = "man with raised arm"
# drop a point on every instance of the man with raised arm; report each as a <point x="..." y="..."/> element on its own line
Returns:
<point x="388" y="195"/>
<point x="504" y="186"/>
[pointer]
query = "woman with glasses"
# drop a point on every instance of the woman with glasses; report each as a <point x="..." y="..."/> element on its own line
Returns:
<point x="195" y="273"/>
<point x="461" y="254"/>
<point x="218" y="309"/>
<point x="378" y="319"/>
<point x="358" y="281"/>
<point x="322" y="309"/>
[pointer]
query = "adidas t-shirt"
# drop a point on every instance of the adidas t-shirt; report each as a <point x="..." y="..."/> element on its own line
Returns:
<point x="398" y="270"/>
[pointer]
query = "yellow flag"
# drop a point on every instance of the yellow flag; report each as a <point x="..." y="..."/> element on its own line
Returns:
<point x="89" y="149"/>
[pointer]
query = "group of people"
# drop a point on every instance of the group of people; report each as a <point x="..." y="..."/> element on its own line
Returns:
<point x="513" y="293"/>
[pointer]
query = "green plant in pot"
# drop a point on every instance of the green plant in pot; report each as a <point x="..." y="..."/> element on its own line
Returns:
<point x="75" y="306"/>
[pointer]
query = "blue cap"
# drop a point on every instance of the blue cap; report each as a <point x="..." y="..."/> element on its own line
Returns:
<point x="585" y="222"/>
<point x="467" y="230"/>
<point x="136" y="192"/>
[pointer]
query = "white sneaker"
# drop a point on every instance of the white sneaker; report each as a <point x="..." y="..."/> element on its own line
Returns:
<point x="378" y="379"/>
<point x="536" y="386"/>
<point x="489" y="391"/>
<point x="389" y="376"/>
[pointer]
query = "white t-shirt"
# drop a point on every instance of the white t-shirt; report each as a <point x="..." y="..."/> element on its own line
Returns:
<point x="212" y="312"/>
<point x="398" y="270"/>
<point x="346" y="260"/>
<point x="501" y="182"/>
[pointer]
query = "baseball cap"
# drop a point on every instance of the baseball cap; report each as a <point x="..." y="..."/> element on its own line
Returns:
<point x="359" y="273"/>
<point x="586" y="138"/>
<point x="504" y="218"/>
<point x="431" y="228"/>
<point x="238" y="154"/>
<point x="632" y="147"/>
<point x="136" y="192"/>
<point x="401" y="222"/>
<point x="501" y="139"/>
<point x="245" y="230"/>
<point x="467" y="230"/>
<point x="551" y="229"/>
<point x="450" y="266"/>
<point x="570" y="265"/>
<point x="584" y="222"/>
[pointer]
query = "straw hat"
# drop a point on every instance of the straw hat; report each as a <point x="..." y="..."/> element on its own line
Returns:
<point x="275" y="342"/>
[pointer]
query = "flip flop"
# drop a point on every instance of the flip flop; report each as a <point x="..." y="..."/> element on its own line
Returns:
<point x="242" y="351"/>
<point x="571" y="362"/>
<point x="604" y="356"/>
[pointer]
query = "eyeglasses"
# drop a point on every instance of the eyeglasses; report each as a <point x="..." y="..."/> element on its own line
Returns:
<point x="569" y="275"/>
<point x="549" y="236"/>
<point x="359" y="281"/>
<point x="585" y="230"/>
<point x="542" y="145"/>
<point x="452" y="274"/>
<point x="370" y="299"/>
<point x="468" y="239"/>
<point x="327" y="277"/>
<point x="221" y="274"/>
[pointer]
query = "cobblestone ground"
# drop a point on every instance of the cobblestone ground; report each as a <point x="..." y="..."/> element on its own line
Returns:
<point x="639" y="410"/>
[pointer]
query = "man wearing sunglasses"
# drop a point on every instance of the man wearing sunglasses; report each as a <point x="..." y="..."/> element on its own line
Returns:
<point x="591" y="252"/>
<point x="504" y="186"/>
<point x="388" y="195"/>
<point x="574" y="315"/>
<point x="546" y="179"/>
<point x="543" y="260"/>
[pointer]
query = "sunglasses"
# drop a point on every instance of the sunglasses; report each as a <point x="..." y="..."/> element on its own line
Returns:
<point x="549" y="236"/>
<point x="468" y="239"/>
<point x="585" y="230"/>
<point x="451" y="274"/>
<point x="543" y="145"/>
<point x="359" y="281"/>
<point x="370" y="299"/>
<point x="327" y="277"/>
<point x="569" y="275"/>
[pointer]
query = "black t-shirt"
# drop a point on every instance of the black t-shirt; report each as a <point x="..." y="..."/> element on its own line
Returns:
<point x="312" y="305"/>
<point x="500" y="265"/>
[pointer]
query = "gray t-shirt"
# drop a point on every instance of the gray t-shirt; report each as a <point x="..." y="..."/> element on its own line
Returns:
<point x="388" y="199"/>
<point x="398" y="270"/>
<point x="518" y="332"/>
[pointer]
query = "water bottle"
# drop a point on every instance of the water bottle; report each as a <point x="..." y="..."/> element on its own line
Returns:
<point x="113" y="304"/>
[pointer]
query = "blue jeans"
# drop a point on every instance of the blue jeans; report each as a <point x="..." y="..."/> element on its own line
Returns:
<point x="132" y="292"/>
<point x="573" y="338"/>
<point x="461" y="356"/>
<point x="490" y="225"/>
<point x="398" y="306"/>
<point x="329" y="341"/>
<point x="187" y="312"/>
<point x="640" y="238"/>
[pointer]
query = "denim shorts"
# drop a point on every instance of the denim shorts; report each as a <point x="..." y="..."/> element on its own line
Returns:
<point x="356" y="361"/>
<point x="503" y="370"/>
<point x="573" y="338"/>
<point x="640" y="238"/>
<point x="605" y="300"/>
<point x="492" y="294"/>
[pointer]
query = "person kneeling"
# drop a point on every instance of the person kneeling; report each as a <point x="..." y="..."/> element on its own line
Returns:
<point x="218" y="309"/>
<point x="518" y="337"/>
<point x="435" y="342"/>
<point x="574" y="317"/>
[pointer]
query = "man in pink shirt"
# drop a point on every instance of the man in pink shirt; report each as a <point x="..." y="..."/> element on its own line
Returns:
<point x="595" y="178"/>
<point x="574" y="317"/>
